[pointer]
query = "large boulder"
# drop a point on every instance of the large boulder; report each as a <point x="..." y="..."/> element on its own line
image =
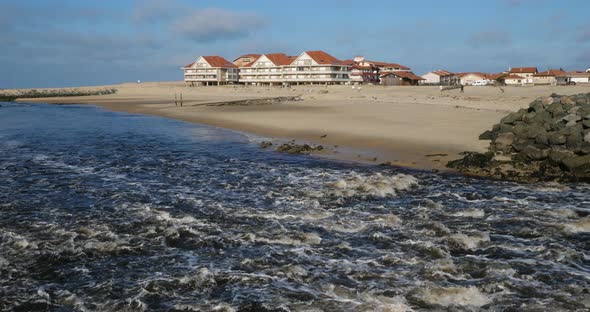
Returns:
<point x="503" y="142"/>
<point x="579" y="166"/>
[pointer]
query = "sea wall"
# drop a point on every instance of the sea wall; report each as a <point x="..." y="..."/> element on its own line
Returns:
<point x="549" y="140"/>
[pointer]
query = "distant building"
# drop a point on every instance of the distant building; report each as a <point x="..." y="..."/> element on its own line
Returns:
<point x="514" y="80"/>
<point x="580" y="77"/>
<point x="548" y="77"/>
<point x="400" y="78"/>
<point x="210" y="70"/>
<point x="267" y="69"/>
<point x="367" y="71"/>
<point x="245" y="59"/>
<point x="526" y="72"/>
<point x="468" y="79"/>
<point x="437" y="77"/>
<point x="316" y="67"/>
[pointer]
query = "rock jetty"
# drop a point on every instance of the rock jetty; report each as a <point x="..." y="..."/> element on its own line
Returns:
<point x="549" y="140"/>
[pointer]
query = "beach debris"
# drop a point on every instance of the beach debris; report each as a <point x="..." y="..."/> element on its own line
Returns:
<point x="323" y="136"/>
<point x="292" y="148"/>
<point x="549" y="140"/>
<point x="263" y="101"/>
<point x="436" y="155"/>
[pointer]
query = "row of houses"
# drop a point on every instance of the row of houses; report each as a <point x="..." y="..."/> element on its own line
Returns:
<point x="517" y="76"/>
<point x="309" y="67"/>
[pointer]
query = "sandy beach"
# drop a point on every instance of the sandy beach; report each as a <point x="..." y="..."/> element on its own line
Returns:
<point x="404" y="126"/>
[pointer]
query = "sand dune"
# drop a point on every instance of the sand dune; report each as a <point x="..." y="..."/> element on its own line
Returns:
<point x="392" y="124"/>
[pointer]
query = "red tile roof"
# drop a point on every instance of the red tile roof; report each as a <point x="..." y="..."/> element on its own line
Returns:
<point x="347" y="62"/>
<point x="523" y="70"/>
<point x="511" y="76"/>
<point x="189" y="65"/>
<point x="323" y="58"/>
<point x="218" y="61"/>
<point x="251" y="55"/>
<point x="480" y="74"/>
<point x="442" y="72"/>
<point x="393" y="65"/>
<point x="551" y="72"/>
<point x="402" y="74"/>
<point x="279" y="59"/>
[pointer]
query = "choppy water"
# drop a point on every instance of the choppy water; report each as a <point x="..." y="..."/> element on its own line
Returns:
<point x="103" y="211"/>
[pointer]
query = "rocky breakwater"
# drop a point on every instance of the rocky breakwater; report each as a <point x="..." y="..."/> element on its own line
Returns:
<point x="549" y="140"/>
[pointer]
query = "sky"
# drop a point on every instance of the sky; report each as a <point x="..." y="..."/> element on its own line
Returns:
<point x="56" y="43"/>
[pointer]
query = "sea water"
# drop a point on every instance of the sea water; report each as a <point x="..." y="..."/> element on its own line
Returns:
<point x="104" y="211"/>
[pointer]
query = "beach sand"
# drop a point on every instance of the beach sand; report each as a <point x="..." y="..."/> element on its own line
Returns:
<point x="403" y="126"/>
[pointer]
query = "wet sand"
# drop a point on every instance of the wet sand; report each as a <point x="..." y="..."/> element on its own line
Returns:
<point x="418" y="127"/>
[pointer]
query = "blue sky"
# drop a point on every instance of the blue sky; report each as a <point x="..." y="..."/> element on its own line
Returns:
<point x="69" y="43"/>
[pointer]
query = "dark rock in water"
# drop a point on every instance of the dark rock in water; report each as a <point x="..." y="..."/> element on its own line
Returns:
<point x="548" y="141"/>
<point x="472" y="159"/>
<point x="265" y="144"/>
<point x="488" y="135"/>
<point x="298" y="149"/>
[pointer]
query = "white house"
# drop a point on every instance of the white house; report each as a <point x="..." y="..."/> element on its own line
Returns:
<point x="316" y="67"/>
<point x="580" y="77"/>
<point x="267" y="69"/>
<point x="436" y="77"/>
<point x="514" y="80"/>
<point x="210" y="70"/>
<point x="468" y="79"/>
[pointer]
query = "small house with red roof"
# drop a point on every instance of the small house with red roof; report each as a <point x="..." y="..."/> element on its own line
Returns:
<point x="526" y="72"/>
<point x="399" y="78"/>
<point x="210" y="70"/>
<point x="437" y="77"/>
<point x="267" y="69"/>
<point x="316" y="67"/>
<point x="580" y="76"/>
<point x="367" y="71"/>
<point x="514" y="80"/>
<point x="549" y="77"/>
<point x="468" y="79"/>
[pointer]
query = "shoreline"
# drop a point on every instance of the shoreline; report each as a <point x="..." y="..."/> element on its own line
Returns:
<point x="399" y="126"/>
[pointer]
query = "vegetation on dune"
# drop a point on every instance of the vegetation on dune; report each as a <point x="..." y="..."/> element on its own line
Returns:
<point x="8" y="97"/>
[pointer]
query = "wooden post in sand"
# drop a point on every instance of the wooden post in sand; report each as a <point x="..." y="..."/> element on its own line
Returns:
<point x="175" y="102"/>
<point x="181" y="100"/>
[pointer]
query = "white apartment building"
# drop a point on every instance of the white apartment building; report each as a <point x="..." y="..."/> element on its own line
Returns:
<point x="210" y="70"/>
<point x="316" y="67"/>
<point x="267" y="69"/>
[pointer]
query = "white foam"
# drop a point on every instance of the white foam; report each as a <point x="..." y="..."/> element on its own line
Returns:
<point x="455" y="296"/>
<point x="470" y="213"/>
<point x="581" y="226"/>
<point x="470" y="242"/>
<point x="374" y="185"/>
